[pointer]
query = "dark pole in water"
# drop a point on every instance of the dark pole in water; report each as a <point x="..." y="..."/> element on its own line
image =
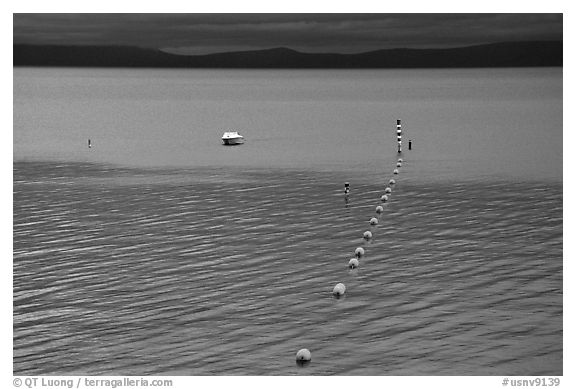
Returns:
<point x="410" y="144"/>
<point x="399" y="133"/>
<point x="89" y="144"/>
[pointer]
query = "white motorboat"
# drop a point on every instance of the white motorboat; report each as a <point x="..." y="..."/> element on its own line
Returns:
<point x="232" y="138"/>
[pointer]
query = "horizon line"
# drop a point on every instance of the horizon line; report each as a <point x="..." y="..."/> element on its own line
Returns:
<point x="286" y="48"/>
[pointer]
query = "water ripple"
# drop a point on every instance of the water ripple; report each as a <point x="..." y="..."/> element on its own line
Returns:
<point x="193" y="272"/>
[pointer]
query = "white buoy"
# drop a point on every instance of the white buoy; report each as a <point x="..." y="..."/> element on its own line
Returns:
<point x="399" y="164"/>
<point x="400" y="160"/>
<point x="392" y="182"/>
<point x="339" y="290"/>
<point x="395" y="171"/>
<point x="384" y="198"/>
<point x="388" y="190"/>
<point x="379" y="209"/>
<point x="367" y="235"/>
<point x="303" y="356"/>
<point x="373" y="221"/>
<point x="359" y="252"/>
<point x="353" y="263"/>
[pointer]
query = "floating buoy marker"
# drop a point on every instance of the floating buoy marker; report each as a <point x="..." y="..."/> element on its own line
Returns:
<point x="303" y="356"/>
<point x="353" y="263"/>
<point x="384" y="198"/>
<point x="392" y="182"/>
<point x="367" y="235"/>
<point x="399" y="133"/>
<point x="388" y="190"/>
<point x="395" y="171"/>
<point x="359" y="252"/>
<point x="346" y="188"/>
<point x="379" y="209"/>
<point x="339" y="290"/>
<point x="373" y="221"/>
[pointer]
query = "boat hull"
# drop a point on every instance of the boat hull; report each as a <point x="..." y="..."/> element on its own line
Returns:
<point x="232" y="141"/>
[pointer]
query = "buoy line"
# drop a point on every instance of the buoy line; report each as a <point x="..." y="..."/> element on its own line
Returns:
<point x="304" y="356"/>
<point x="340" y="289"/>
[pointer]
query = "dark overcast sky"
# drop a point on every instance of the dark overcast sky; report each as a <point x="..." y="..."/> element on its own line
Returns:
<point x="343" y="33"/>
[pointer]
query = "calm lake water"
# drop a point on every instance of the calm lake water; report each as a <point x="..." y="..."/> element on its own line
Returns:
<point x="160" y="251"/>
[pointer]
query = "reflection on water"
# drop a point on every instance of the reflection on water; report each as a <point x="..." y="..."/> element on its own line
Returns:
<point x="122" y="271"/>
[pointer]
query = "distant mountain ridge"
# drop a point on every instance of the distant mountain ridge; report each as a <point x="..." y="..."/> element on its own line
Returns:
<point x="506" y="54"/>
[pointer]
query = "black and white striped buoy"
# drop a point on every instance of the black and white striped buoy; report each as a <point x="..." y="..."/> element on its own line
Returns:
<point x="399" y="134"/>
